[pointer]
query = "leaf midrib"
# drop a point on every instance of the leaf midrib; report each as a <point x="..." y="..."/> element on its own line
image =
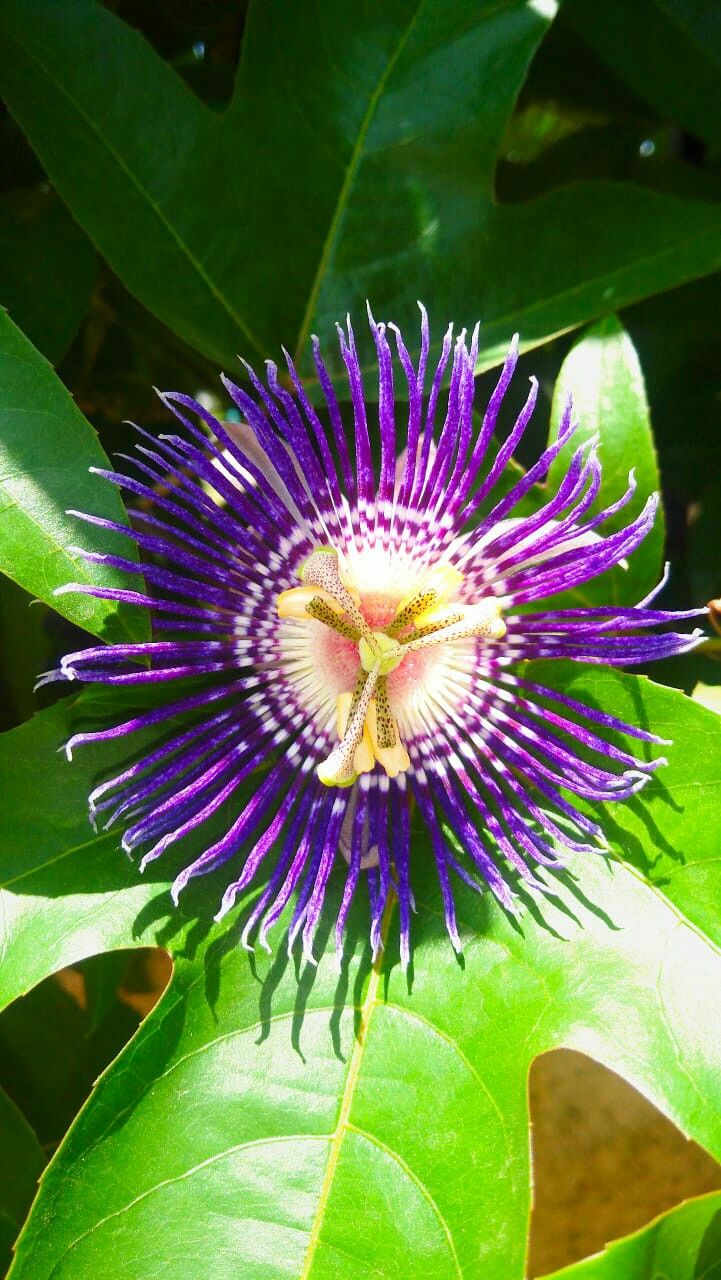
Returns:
<point x="350" y="174"/>
<point x="366" y="1013"/>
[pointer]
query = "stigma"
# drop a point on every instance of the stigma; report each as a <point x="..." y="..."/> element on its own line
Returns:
<point x="429" y="616"/>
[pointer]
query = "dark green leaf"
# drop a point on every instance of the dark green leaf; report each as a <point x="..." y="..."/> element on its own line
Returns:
<point x="47" y="269"/>
<point x="677" y="71"/>
<point x="21" y="1163"/>
<point x="677" y="337"/>
<point x="27" y="650"/>
<point x="356" y="160"/>
<point x="252" y="1109"/>
<point x="50" y="1054"/>
<point x="46" y="448"/>
<point x="603" y="376"/>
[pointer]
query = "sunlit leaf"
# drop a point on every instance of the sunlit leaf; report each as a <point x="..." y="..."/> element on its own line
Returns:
<point x="603" y="376"/>
<point x="46" y="450"/>
<point x="254" y="1105"/>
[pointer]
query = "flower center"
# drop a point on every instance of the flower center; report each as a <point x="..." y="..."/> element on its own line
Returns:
<point x="424" y="619"/>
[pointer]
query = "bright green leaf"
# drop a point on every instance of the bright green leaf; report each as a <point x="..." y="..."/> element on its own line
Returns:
<point x="339" y="172"/>
<point x="244" y="1119"/>
<point x="46" y="448"/>
<point x="603" y="375"/>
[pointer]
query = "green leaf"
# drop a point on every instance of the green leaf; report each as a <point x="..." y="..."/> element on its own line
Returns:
<point x="684" y="1244"/>
<point x="51" y="1053"/>
<point x="681" y="41"/>
<point x="47" y="267"/>
<point x="339" y="171"/>
<point x="21" y="1163"/>
<point x="603" y="375"/>
<point x="46" y="448"/>
<point x="27" y="650"/>
<point x="254" y="1106"/>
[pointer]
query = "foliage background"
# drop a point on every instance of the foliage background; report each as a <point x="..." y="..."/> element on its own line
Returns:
<point x="181" y="183"/>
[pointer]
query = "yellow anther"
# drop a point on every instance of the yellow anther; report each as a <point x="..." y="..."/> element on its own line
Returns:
<point x="322" y="569"/>
<point x="434" y="590"/>
<point x="440" y="616"/>
<point x="387" y="729"/>
<point x="482" y="619"/>
<point x="442" y="581"/>
<point x="339" y="769"/>
<point x="394" y="759"/>
<point x="363" y="759"/>
<point x="294" y="603"/>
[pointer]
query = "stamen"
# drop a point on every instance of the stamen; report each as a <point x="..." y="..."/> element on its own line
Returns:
<point x="322" y="569"/>
<point x="438" y="586"/>
<point x="322" y="612"/>
<point x="434" y="620"/>
<point x="355" y="696"/>
<point x="395" y="759"/>
<point x="387" y="732"/>
<point x="482" y="619"/>
<point x="404" y="617"/>
<point x="363" y="760"/>
<point x="294" y="603"/>
<point x="339" y="769"/>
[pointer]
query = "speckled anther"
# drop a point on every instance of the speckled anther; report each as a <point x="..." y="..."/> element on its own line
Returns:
<point x="423" y="618"/>
<point x="355" y="598"/>
<point x="322" y="569"/>
<point x="387" y="729"/>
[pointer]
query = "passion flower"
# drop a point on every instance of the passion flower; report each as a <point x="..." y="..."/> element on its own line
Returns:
<point x="356" y="617"/>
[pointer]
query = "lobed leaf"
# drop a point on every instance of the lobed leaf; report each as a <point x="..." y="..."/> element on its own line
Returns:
<point x="356" y="158"/>
<point x="316" y="1124"/>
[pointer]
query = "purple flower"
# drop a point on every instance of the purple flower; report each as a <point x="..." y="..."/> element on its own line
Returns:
<point x="357" y="615"/>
